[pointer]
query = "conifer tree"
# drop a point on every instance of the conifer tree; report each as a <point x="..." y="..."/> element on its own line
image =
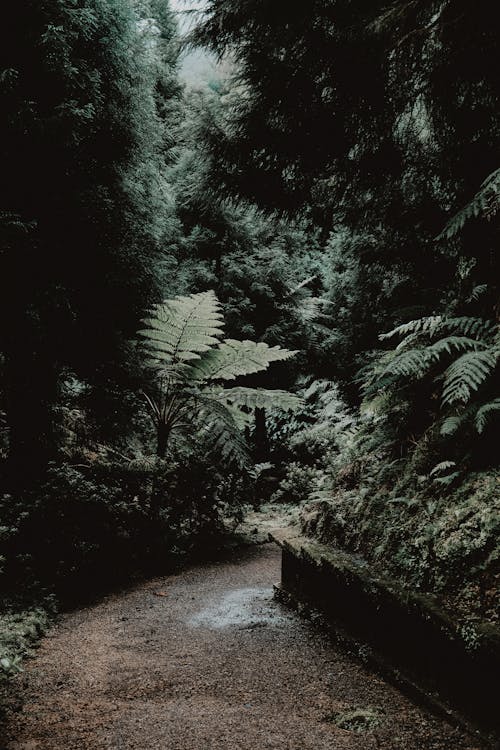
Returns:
<point x="381" y="117"/>
<point x="83" y="216"/>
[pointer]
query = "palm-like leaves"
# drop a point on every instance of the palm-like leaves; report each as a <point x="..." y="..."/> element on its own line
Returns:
<point x="463" y="353"/>
<point x="182" y="342"/>
<point x="486" y="203"/>
<point x="181" y="330"/>
<point x="467" y="374"/>
<point x="232" y="359"/>
<point x="259" y="398"/>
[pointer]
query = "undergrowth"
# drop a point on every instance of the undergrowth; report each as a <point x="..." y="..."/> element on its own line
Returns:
<point x="414" y="506"/>
<point x="21" y="626"/>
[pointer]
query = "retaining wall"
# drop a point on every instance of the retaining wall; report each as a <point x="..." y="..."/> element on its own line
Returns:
<point x="407" y="636"/>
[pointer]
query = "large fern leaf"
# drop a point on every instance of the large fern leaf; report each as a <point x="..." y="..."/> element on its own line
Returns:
<point x="452" y="344"/>
<point x="181" y="329"/>
<point x="417" y="362"/>
<point x="232" y="359"/>
<point x="485" y="413"/>
<point x="438" y="325"/>
<point x="422" y="325"/>
<point x="223" y="429"/>
<point x="467" y="374"/>
<point x="466" y="326"/>
<point x="485" y="203"/>
<point x="259" y="398"/>
<point x="413" y="363"/>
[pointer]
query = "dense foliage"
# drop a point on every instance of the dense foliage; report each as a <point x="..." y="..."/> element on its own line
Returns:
<point x="330" y="190"/>
<point x="378" y="121"/>
<point x="191" y="364"/>
<point x="84" y="211"/>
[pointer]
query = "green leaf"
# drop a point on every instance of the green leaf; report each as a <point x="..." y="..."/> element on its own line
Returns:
<point x="443" y="466"/>
<point x="467" y="374"/>
<point x="182" y="329"/>
<point x="233" y="359"/>
<point x="224" y="432"/>
<point x="258" y="398"/>
<point x="485" y="203"/>
<point x="485" y="413"/>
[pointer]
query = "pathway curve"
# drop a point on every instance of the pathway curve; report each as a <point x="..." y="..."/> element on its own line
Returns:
<point x="206" y="660"/>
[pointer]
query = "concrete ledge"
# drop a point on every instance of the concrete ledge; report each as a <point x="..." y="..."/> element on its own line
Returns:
<point x="405" y="635"/>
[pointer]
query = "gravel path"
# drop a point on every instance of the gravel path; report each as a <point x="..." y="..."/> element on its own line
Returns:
<point x="206" y="660"/>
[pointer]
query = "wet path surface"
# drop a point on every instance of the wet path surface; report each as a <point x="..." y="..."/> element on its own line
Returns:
<point x="206" y="660"/>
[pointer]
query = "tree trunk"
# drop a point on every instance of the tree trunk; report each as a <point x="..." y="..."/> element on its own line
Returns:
<point x="162" y="437"/>
<point x="261" y="439"/>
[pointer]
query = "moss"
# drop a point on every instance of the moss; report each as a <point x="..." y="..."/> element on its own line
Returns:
<point x="357" y="719"/>
<point x="428" y="540"/>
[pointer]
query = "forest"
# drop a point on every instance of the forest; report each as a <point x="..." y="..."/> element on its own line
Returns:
<point x="248" y="265"/>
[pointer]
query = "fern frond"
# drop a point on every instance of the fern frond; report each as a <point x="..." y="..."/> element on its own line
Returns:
<point x="310" y="309"/>
<point x="443" y="466"/>
<point x="452" y="344"/>
<point x="408" y="341"/>
<point x="412" y="363"/>
<point x="318" y="388"/>
<point x="302" y="285"/>
<point x="485" y="413"/>
<point x="431" y="326"/>
<point x="232" y="359"/>
<point x="467" y="374"/>
<point x="259" y="398"/>
<point x="485" y="204"/>
<point x="448" y="479"/>
<point x="181" y="329"/>
<point x="451" y="424"/>
<point x="477" y="327"/>
<point x="224" y="431"/>
<point x="422" y="325"/>
<point x="477" y="292"/>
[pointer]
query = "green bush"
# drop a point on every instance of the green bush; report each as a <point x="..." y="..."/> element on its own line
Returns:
<point x="297" y="485"/>
<point x="19" y="631"/>
<point x="108" y="521"/>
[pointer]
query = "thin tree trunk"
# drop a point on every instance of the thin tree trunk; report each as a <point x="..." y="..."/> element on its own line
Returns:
<point x="261" y="439"/>
<point x="162" y="437"/>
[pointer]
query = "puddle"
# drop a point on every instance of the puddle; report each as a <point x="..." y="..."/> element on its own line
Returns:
<point x="245" y="608"/>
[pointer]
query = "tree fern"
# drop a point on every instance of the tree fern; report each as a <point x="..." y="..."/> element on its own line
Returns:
<point x="458" y="356"/>
<point x="222" y="429"/>
<point x="183" y="349"/>
<point x="182" y="329"/>
<point x="462" y="352"/>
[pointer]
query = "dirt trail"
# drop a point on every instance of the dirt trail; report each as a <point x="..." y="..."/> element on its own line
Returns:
<point x="206" y="660"/>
